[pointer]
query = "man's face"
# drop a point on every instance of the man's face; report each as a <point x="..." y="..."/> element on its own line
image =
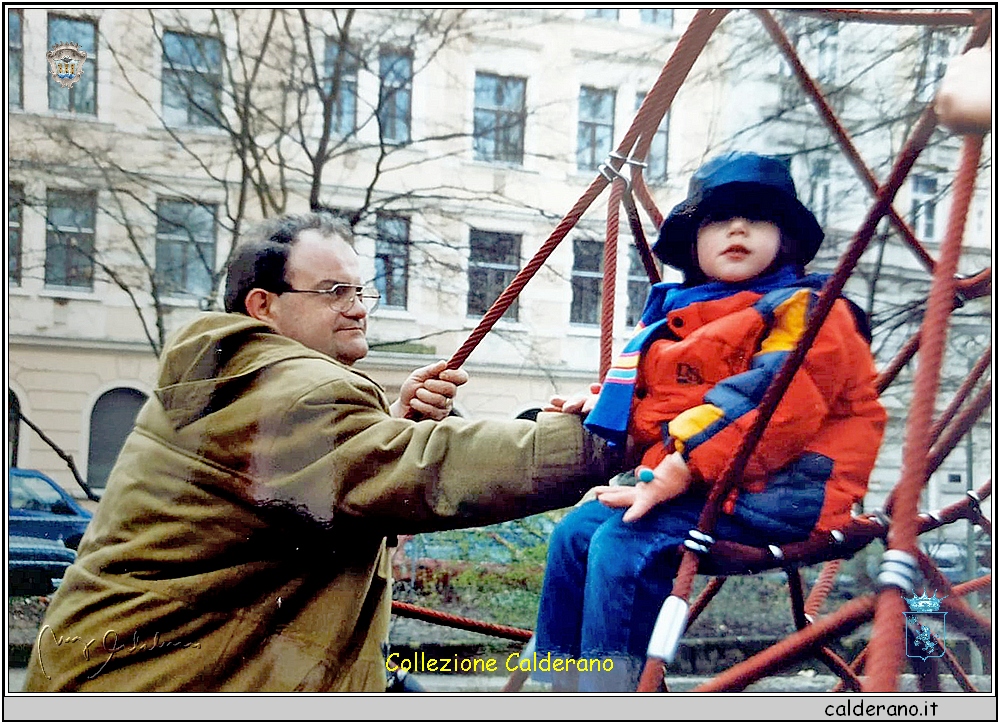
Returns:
<point x="318" y="261"/>
<point x="737" y="249"/>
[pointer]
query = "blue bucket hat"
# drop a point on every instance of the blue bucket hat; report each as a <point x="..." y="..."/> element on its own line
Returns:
<point x="739" y="184"/>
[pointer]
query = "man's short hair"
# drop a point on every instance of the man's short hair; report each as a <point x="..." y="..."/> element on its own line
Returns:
<point x="262" y="255"/>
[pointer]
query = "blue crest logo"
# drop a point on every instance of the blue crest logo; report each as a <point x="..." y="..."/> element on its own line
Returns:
<point x="66" y="63"/>
<point x="925" y="627"/>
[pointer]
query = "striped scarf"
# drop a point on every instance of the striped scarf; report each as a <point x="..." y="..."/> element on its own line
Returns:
<point x="610" y="415"/>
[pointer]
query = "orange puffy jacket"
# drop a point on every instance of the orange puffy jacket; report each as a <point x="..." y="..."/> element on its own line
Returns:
<point x="698" y="389"/>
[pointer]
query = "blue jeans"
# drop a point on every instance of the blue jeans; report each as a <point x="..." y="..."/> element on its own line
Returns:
<point x="605" y="580"/>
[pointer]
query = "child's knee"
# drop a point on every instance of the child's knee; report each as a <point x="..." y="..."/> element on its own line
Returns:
<point x="573" y="533"/>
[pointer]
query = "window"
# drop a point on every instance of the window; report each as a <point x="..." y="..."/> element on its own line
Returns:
<point x="596" y="127"/>
<point x="638" y="287"/>
<point x="494" y="259"/>
<point x="15" y="210"/>
<point x="392" y="259"/>
<point x="192" y="80"/>
<point x="395" y="70"/>
<point x="69" y="239"/>
<point x="499" y="117"/>
<point x="185" y="248"/>
<point x="826" y="43"/>
<point x="601" y="13"/>
<point x="15" y="59"/>
<point x="588" y="258"/>
<point x="111" y="420"/>
<point x="656" y="159"/>
<point x="82" y="96"/>
<point x="341" y="69"/>
<point x="937" y="47"/>
<point x="819" y="189"/>
<point x="657" y="16"/>
<point x="923" y="204"/>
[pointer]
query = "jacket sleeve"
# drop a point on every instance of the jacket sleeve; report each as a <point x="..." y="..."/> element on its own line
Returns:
<point x="708" y="435"/>
<point x="348" y="459"/>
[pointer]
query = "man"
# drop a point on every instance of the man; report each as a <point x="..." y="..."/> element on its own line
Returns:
<point x="241" y="541"/>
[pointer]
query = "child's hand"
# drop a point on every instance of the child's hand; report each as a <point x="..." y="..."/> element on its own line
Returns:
<point x="669" y="479"/>
<point x="580" y="403"/>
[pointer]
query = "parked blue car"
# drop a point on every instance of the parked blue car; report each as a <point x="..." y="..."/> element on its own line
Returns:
<point x="35" y="566"/>
<point x="39" y="508"/>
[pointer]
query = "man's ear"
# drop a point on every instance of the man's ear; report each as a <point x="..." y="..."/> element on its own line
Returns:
<point x="259" y="304"/>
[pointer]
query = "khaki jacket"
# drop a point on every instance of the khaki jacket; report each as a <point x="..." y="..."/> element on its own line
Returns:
<point x="240" y="544"/>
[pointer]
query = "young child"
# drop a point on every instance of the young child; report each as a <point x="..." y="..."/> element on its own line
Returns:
<point x="685" y="391"/>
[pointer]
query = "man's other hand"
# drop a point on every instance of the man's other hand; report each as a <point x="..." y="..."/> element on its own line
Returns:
<point x="428" y="392"/>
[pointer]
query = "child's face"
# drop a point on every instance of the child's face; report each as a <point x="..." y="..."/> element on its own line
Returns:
<point x="737" y="249"/>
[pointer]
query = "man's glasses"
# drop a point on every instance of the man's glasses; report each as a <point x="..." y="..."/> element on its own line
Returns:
<point x="342" y="296"/>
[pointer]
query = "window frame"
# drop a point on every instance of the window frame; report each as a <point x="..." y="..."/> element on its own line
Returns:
<point x="345" y="120"/>
<point x="601" y="14"/>
<point x="591" y="126"/>
<point x="652" y="16"/>
<point x="189" y="244"/>
<point x="15" y="51"/>
<point x="819" y="189"/>
<point x="15" y="232"/>
<point x="387" y="246"/>
<point x="52" y="240"/>
<point x="512" y="153"/>
<point x="923" y="206"/>
<point x="87" y="84"/>
<point x="939" y="48"/>
<point x="826" y="43"/>
<point x="582" y="278"/>
<point x="194" y="117"/>
<point x="660" y="137"/>
<point x="498" y="274"/>
<point x="637" y="285"/>
<point x="393" y="96"/>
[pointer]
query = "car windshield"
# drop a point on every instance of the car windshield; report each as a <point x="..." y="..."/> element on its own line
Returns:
<point x="29" y="493"/>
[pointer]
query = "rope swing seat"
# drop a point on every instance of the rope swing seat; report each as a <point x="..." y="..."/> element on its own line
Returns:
<point x="927" y="441"/>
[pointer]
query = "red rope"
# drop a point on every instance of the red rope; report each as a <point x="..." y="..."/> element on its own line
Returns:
<point x="957" y="429"/>
<point x="982" y="364"/>
<point x="409" y="610"/>
<point x="610" y="276"/>
<point x="823" y="586"/>
<point x="885" y="660"/>
<point x="895" y="366"/>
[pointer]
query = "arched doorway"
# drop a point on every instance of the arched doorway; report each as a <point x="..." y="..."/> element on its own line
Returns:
<point x="111" y="421"/>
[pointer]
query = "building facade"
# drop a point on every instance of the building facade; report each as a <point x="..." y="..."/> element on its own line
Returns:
<point x="453" y="141"/>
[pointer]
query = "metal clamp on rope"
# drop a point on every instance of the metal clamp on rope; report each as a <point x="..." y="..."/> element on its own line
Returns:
<point x="838" y="537"/>
<point x="626" y="160"/>
<point x="898" y="569"/>
<point x="975" y="502"/>
<point x="610" y="173"/>
<point x="698" y="542"/>
<point x="882" y="518"/>
<point x="934" y="515"/>
<point x="776" y="553"/>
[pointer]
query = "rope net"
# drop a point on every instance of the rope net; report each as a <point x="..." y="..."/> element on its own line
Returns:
<point x="927" y="441"/>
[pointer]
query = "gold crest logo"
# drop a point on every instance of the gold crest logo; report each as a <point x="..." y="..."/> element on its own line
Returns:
<point x="66" y="63"/>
